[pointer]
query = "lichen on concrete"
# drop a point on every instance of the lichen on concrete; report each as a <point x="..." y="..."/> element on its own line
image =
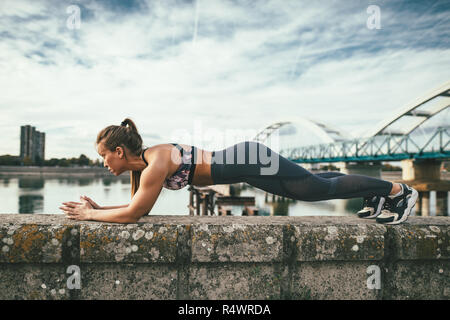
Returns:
<point x="183" y="257"/>
<point x="421" y="242"/>
<point x="349" y="242"/>
<point x="139" y="243"/>
<point x="236" y="243"/>
<point x="31" y="243"/>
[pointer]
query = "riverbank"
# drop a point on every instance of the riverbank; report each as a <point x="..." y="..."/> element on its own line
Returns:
<point x="9" y="171"/>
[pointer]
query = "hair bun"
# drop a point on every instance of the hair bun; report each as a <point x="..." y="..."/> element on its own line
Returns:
<point x="124" y="123"/>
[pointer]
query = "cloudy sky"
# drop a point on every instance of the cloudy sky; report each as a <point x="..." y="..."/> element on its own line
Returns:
<point x="197" y="71"/>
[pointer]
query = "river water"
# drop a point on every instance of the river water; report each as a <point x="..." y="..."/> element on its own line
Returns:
<point x="37" y="194"/>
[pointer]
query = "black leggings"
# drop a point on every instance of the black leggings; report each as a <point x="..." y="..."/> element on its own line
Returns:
<point x="256" y="164"/>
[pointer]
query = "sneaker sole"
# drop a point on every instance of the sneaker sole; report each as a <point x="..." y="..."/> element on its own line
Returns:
<point x="411" y="203"/>
<point x="377" y="213"/>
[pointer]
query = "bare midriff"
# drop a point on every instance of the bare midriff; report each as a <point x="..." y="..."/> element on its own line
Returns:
<point x="202" y="173"/>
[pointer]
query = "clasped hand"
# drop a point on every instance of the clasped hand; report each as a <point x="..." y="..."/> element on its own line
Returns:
<point x="79" y="210"/>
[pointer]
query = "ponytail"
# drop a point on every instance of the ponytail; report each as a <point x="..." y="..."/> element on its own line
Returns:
<point x="130" y="124"/>
<point x="135" y="179"/>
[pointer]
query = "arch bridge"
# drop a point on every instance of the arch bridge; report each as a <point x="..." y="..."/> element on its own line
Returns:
<point x="390" y="140"/>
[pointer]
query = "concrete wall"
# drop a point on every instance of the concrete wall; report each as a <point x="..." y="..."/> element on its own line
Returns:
<point x="182" y="257"/>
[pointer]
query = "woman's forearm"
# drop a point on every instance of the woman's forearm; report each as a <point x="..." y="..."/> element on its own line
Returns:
<point x="113" y="207"/>
<point x="119" y="215"/>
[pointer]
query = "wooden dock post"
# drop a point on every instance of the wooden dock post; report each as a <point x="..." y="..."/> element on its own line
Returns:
<point x="225" y="210"/>
<point x="191" y="202"/>
<point x="250" y="211"/>
<point x="208" y="197"/>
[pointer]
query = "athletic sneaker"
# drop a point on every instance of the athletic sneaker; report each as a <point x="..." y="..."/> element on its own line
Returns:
<point x="396" y="209"/>
<point x="371" y="207"/>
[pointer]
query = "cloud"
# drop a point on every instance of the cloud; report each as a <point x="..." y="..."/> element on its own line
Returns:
<point x="227" y="64"/>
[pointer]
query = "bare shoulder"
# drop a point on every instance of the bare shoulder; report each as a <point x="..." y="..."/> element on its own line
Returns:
<point x="157" y="152"/>
<point x="157" y="159"/>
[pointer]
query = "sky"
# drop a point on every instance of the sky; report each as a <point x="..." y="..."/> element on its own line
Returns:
<point x="211" y="73"/>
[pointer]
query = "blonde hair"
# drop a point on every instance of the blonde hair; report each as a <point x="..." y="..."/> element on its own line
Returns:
<point x="126" y="136"/>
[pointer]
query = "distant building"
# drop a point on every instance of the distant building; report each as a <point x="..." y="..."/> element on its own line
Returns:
<point x="32" y="145"/>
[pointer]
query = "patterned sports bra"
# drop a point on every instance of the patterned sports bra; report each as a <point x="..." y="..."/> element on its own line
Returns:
<point x="185" y="172"/>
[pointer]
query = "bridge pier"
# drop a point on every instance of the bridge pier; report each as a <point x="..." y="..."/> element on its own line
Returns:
<point x="423" y="204"/>
<point x="429" y="169"/>
<point x="441" y="203"/>
<point x="368" y="169"/>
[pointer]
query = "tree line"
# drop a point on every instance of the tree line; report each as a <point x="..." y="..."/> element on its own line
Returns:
<point x="82" y="160"/>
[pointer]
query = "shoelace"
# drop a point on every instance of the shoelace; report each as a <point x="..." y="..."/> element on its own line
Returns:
<point x="368" y="202"/>
<point x="388" y="205"/>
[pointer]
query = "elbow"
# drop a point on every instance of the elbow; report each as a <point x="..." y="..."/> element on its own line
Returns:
<point x="130" y="220"/>
<point x="124" y="217"/>
<point x="133" y="217"/>
<point x="133" y="214"/>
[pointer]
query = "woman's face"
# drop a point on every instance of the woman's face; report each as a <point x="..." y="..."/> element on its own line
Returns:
<point x="113" y="160"/>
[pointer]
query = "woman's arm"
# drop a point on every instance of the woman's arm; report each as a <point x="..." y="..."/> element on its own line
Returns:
<point x="119" y="215"/>
<point x="113" y="207"/>
<point x="94" y="205"/>
<point x="84" y="210"/>
<point x="150" y="186"/>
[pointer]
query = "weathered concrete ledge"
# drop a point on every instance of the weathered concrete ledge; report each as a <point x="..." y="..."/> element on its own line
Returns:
<point x="182" y="257"/>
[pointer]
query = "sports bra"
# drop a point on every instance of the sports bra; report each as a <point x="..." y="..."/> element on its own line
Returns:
<point x="185" y="171"/>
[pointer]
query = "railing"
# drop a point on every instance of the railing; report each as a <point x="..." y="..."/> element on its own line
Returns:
<point x="377" y="148"/>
